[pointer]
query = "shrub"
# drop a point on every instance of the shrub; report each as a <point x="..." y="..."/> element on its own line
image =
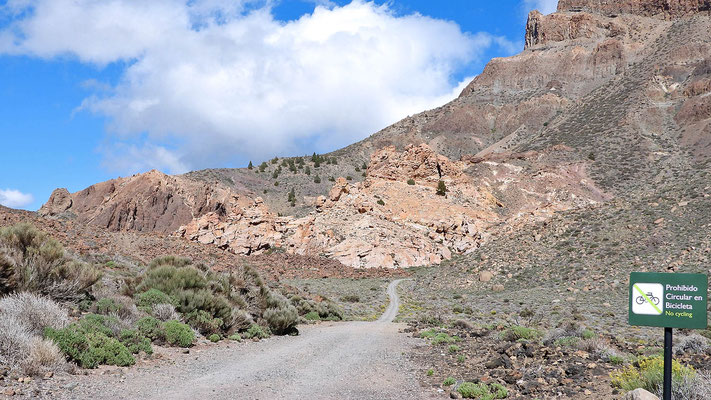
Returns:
<point x="351" y="298"/>
<point x="236" y="337"/>
<point x="32" y="261"/>
<point x="411" y="182"/>
<point x="482" y="391"/>
<point x="449" y="381"/>
<point x="106" y="306"/>
<point x="281" y="315"/>
<point x="26" y="353"/>
<point x="44" y="356"/>
<point x="152" y="297"/>
<point x="648" y="374"/>
<point x="317" y="179"/>
<point x="33" y="312"/>
<point x="462" y="324"/>
<point x="164" y="312"/>
<point x="444" y="338"/>
<point x="109" y="351"/>
<point x="381" y="202"/>
<point x="281" y="320"/>
<point x="135" y="342"/>
<point x="178" y="334"/>
<point x="214" y="338"/>
<point x="204" y="322"/>
<point x="453" y="348"/>
<point x="568" y="341"/>
<point x="151" y="328"/>
<point x="256" y="331"/>
<point x="312" y="316"/>
<point x="90" y="349"/>
<point x="517" y="332"/>
<point x="430" y="372"/>
<point x="691" y="344"/>
<point x="428" y="334"/>
<point x="197" y="295"/>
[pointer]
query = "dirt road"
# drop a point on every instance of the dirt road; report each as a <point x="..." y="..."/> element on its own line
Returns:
<point x="348" y="360"/>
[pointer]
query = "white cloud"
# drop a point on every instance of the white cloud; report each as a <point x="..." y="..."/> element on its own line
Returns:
<point x="544" y="6"/>
<point x="15" y="199"/>
<point x="207" y="82"/>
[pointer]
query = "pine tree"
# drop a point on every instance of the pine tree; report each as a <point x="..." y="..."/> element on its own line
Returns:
<point x="307" y="170"/>
<point x="292" y="197"/>
<point x="250" y="166"/>
<point x="442" y="188"/>
<point x="317" y="179"/>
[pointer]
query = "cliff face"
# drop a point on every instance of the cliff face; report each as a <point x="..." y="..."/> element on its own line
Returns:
<point x="648" y="8"/>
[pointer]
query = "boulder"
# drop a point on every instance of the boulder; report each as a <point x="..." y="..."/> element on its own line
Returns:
<point x="640" y="394"/>
<point x="485" y="276"/>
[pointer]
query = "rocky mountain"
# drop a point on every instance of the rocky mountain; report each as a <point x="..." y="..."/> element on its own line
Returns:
<point x="609" y="100"/>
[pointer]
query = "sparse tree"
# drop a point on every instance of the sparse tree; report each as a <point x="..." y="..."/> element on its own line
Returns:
<point x="317" y="179"/>
<point x="307" y="170"/>
<point x="250" y="166"/>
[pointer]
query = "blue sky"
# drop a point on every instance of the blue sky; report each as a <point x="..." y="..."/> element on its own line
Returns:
<point x="178" y="85"/>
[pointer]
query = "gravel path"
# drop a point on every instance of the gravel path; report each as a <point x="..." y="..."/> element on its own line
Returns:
<point x="347" y="360"/>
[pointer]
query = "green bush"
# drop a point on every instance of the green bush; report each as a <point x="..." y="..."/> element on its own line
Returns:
<point x="312" y="316"/>
<point x="449" y="381"/>
<point x="106" y="306"/>
<point x="135" y="342"/>
<point x="442" y="337"/>
<point x="648" y="374"/>
<point x="453" y="348"/>
<point x="204" y="322"/>
<point x="109" y="351"/>
<point x="482" y="391"/>
<point x="411" y="182"/>
<point x="178" y="334"/>
<point x="214" y="338"/>
<point x="430" y="372"/>
<point x="151" y="328"/>
<point x="199" y="296"/>
<point x="152" y="297"/>
<point x="517" y="332"/>
<point x="236" y="337"/>
<point x="256" y="331"/>
<point x="92" y="323"/>
<point x="90" y="349"/>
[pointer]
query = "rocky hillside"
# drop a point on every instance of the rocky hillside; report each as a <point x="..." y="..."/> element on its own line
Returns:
<point x="608" y="100"/>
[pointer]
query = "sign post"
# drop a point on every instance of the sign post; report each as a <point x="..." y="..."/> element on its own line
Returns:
<point x="668" y="301"/>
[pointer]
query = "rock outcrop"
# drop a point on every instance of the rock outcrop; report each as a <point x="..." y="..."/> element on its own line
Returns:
<point x="647" y="8"/>
<point x="147" y="202"/>
<point x="395" y="217"/>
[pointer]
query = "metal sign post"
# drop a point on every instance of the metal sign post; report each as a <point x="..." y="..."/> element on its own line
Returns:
<point x="668" y="301"/>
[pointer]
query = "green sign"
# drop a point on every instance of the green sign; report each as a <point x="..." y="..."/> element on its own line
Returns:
<point x="668" y="300"/>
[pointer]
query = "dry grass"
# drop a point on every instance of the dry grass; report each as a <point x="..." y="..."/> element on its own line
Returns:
<point x="165" y="312"/>
<point x="33" y="312"/>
